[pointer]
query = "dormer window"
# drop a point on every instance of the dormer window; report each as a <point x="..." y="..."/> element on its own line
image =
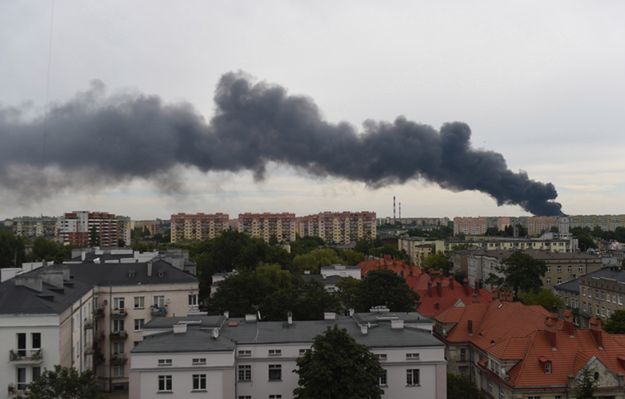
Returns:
<point x="546" y="364"/>
<point x="548" y="368"/>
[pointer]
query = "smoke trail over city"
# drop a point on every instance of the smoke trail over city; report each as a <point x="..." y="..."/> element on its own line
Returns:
<point x="96" y="139"/>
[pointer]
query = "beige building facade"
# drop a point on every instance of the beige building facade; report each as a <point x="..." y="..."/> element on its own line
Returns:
<point x="268" y="226"/>
<point x="338" y="227"/>
<point x="197" y="226"/>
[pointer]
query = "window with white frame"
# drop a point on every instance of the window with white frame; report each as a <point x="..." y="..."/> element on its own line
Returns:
<point x="620" y="299"/>
<point x="558" y="268"/>
<point x="21" y="378"/>
<point x="275" y="352"/>
<point x="245" y="372"/>
<point x="118" y="325"/>
<point x="159" y="301"/>
<point x="118" y="302"/>
<point x="275" y="396"/>
<point x="139" y="324"/>
<point x="164" y="383"/>
<point x="382" y="380"/>
<point x="275" y="372"/>
<point x="118" y="347"/>
<point x="118" y="371"/>
<point x="412" y="356"/>
<point x="199" y="382"/>
<point x="201" y="361"/>
<point x="412" y="377"/>
<point x="165" y="362"/>
<point x="245" y="353"/>
<point x="192" y="299"/>
<point x="381" y="357"/>
<point x="139" y="302"/>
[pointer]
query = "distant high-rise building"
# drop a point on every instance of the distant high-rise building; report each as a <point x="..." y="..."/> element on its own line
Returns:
<point x="338" y="227"/>
<point x="197" y="226"/>
<point x="279" y="226"/>
<point x="33" y="227"/>
<point x="84" y="228"/>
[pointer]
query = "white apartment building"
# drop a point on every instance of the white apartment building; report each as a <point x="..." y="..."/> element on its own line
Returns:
<point x="86" y="316"/>
<point x="338" y="227"/>
<point x="218" y="358"/>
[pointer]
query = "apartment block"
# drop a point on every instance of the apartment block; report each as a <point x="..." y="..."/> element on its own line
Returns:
<point x="83" y="228"/>
<point x="417" y="249"/>
<point x="338" y="227"/>
<point x="197" y="226"/>
<point x="86" y="315"/>
<point x="218" y="358"/>
<point x="561" y="267"/>
<point x="33" y="227"/>
<point x="268" y="226"/>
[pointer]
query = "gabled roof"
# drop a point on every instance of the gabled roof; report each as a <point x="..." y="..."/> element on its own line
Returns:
<point x="435" y="299"/>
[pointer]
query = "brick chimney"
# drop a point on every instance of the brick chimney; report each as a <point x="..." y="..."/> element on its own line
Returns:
<point x="568" y="322"/>
<point x="465" y="284"/>
<point x="439" y="288"/>
<point x="451" y="283"/>
<point x="429" y="288"/>
<point x="595" y="329"/>
<point x="551" y="325"/>
<point x="470" y="327"/>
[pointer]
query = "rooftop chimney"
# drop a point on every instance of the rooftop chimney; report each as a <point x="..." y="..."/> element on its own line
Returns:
<point x="551" y="324"/>
<point x="215" y="333"/>
<point x="149" y="269"/>
<point x="429" y="288"/>
<point x="397" y="324"/>
<point x="289" y="318"/>
<point x="439" y="288"/>
<point x="364" y="329"/>
<point x="180" y="328"/>
<point x="568" y="322"/>
<point x="451" y="283"/>
<point x="227" y="314"/>
<point x="33" y="282"/>
<point x="52" y="277"/>
<point x="329" y="316"/>
<point x="465" y="284"/>
<point x="595" y="329"/>
<point x="250" y="318"/>
<point x="470" y="327"/>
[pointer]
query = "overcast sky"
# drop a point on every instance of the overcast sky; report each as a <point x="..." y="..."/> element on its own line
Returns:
<point x="541" y="82"/>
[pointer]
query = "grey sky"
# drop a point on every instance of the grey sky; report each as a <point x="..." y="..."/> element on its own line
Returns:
<point x="543" y="84"/>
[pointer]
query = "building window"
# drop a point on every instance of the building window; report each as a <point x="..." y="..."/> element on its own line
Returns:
<point x="412" y="356"/>
<point x="21" y="378"/>
<point x="275" y="372"/>
<point x="118" y="303"/>
<point x="245" y="353"/>
<point x="275" y="396"/>
<point x="192" y="299"/>
<point x="381" y="357"/>
<point x="382" y="381"/>
<point x="199" y="382"/>
<point x="35" y="339"/>
<point x="533" y="397"/>
<point x="463" y="355"/>
<point x="245" y="373"/>
<point x="302" y="352"/>
<point x="139" y="324"/>
<point x="275" y="352"/>
<point x="245" y="397"/>
<point x="164" y="383"/>
<point x="620" y="299"/>
<point x="165" y="362"/>
<point x="36" y="372"/>
<point x="412" y="377"/>
<point x="548" y="280"/>
<point x="559" y="280"/>
<point x="118" y="325"/>
<point x="139" y="302"/>
<point x="159" y="301"/>
<point x="547" y="367"/>
<point x="199" y="361"/>
<point x="118" y="347"/>
<point x="558" y="269"/>
<point x="118" y="371"/>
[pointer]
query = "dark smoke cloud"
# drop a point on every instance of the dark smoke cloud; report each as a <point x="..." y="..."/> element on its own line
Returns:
<point x="97" y="139"/>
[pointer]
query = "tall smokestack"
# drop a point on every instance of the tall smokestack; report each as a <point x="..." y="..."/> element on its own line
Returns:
<point x="394" y="218"/>
<point x="96" y="140"/>
<point x="400" y="212"/>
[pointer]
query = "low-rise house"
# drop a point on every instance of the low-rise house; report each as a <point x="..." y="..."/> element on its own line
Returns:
<point x="216" y="357"/>
<point x="510" y="350"/>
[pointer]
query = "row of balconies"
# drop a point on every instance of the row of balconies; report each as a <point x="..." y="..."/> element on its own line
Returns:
<point x="121" y="313"/>
<point x="26" y="356"/>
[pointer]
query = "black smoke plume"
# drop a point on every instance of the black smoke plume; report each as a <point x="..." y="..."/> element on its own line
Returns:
<point x="97" y="139"/>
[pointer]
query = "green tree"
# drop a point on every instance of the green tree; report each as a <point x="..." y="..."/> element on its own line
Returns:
<point x="312" y="301"/>
<point x="316" y="258"/>
<point x="616" y="322"/>
<point x="378" y="248"/>
<point x="523" y="273"/>
<point x="12" y="250"/>
<point x="438" y="261"/>
<point x="49" y="250"/>
<point x="351" y="257"/>
<point x="586" y="385"/>
<point x="64" y="383"/>
<point x="460" y="387"/>
<point x="384" y="287"/>
<point x="338" y="367"/>
<point x="543" y="297"/>
<point x="306" y="244"/>
<point x="348" y="292"/>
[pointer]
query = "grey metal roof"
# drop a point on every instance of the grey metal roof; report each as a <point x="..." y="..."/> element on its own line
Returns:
<point x="240" y="332"/>
<point x="611" y="273"/>
<point x="194" y="340"/>
<point x="330" y="280"/>
<point x="381" y="317"/>
<point x="569" y="286"/>
<point x="83" y="277"/>
<point x="199" y="320"/>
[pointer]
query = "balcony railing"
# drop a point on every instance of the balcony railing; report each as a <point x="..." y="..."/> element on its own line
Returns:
<point x="119" y="313"/>
<point x="98" y="312"/>
<point x="18" y="389"/>
<point x="119" y="335"/>
<point x="158" y="310"/>
<point x="88" y="324"/>
<point x="26" y="356"/>
<point x="118" y="359"/>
